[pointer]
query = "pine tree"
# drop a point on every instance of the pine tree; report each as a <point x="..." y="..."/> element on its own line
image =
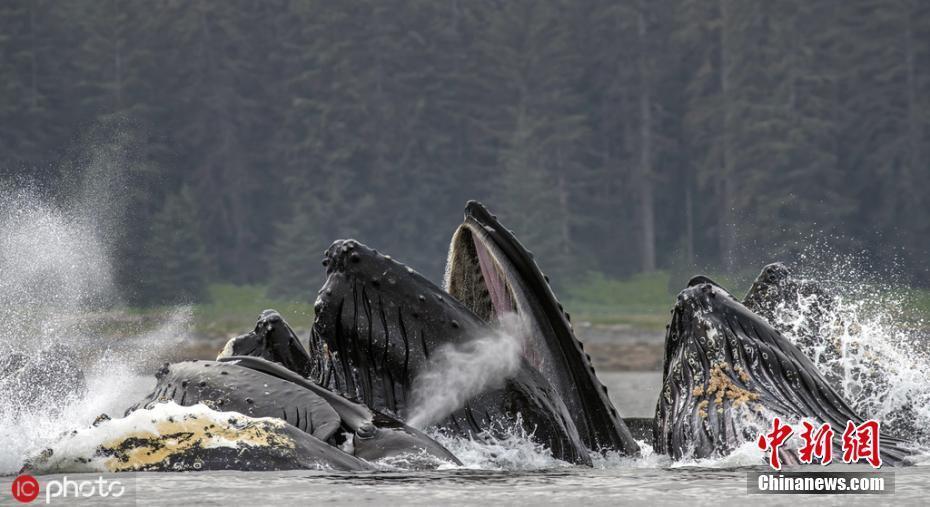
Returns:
<point x="534" y="116"/>
<point x="177" y="262"/>
<point x="294" y="257"/>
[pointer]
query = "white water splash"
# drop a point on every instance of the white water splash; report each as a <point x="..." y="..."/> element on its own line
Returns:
<point x="507" y="447"/>
<point x="57" y="288"/>
<point x="867" y="351"/>
<point x="53" y="265"/>
<point x="647" y="458"/>
<point x="458" y="372"/>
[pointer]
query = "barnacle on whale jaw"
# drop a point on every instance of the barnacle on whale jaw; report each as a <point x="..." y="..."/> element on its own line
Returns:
<point x="727" y="372"/>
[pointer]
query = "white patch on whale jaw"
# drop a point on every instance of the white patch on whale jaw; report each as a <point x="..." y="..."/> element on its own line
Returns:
<point x="227" y="349"/>
<point x="158" y="438"/>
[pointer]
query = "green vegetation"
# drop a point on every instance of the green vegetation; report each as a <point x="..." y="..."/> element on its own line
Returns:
<point x="640" y="302"/>
<point x="918" y="303"/>
<point x="176" y="252"/>
<point x="233" y="310"/>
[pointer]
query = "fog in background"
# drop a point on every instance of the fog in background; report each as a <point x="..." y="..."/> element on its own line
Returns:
<point x="613" y="137"/>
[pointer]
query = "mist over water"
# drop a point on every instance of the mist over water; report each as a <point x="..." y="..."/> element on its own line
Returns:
<point x="59" y="304"/>
<point x="458" y="372"/>
<point x="52" y="265"/>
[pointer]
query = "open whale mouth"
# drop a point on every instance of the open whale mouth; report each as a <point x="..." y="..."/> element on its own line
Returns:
<point x="475" y="278"/>
<point x="370" y="304"/>
<point x="487" y="272"/>
<point x="494" y="276"/>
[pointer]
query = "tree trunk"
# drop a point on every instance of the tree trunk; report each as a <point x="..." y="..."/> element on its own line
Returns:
<point x="646" y="211"/>
<point x="34" y="65"/>
<point x="117" y="59"/>
<point x="726" y="232"/>
<point x="913" y="111"/>
<point x="689" y="224"/>
<point x="564" y="231"/>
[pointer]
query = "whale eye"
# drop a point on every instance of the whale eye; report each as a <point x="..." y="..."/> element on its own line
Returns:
<point x="366" y="431"/>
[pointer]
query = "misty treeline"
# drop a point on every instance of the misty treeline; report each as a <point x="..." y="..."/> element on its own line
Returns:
<point x="613" y="137"/>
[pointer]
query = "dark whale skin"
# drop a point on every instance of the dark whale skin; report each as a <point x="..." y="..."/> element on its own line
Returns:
<point x="229" y="387"/>
<point x="376" y="435"/>
<point x="598" y="422"/>
<point x="378" y="322"/>
<point x="727" y="371"/>
<point x="274" y="340"/>
<point x="258" y="388"/>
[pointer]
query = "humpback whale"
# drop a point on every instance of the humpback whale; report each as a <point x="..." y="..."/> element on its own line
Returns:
<point x="377" y="323"/>
<point x="170" y="438"/>
<point x="269" y="403"/>
<point x="727" y="371"/>
<point x="776" y="290"/>
<point x="274" y="340"/>
<point x="815" y="319"/>
<point x="492" y="273"/>
<point x="256" y="387"/>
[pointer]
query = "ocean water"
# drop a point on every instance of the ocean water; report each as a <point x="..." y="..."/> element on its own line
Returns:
<point x="511" y="472"/>
<point x="55" y="261"/>
<point x="578" y="486"/>
<point x="611" y="485"/>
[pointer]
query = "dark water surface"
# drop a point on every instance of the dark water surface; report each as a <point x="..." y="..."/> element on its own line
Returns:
<point x="564" y="486"/>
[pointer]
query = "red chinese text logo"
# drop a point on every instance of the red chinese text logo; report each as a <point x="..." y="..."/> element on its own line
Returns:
<point x="817" y="443"/>
<point x="780" y="432"/>
<point x="860" y="442"/>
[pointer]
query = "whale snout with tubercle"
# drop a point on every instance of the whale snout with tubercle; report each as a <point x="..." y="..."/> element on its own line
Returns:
<point x="700" y="296"/>
<point x="351" y="257"/>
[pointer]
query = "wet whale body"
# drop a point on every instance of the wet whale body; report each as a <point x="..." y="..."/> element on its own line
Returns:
<point x="243" y="413"/>
<point x="727" y="372"/>
<point x="378" y="321"/>
<point x="342" y="402"/>
<point x="259" y="388"/>
<point x="727" y="369"/>
<point x="274" y="340"/>
<point x="377" y="325"/>
<point x="170" y="438"/>
<point x="776" y="290"/>
<point x="814" y="318"/>
<point x="492" y="273"/>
